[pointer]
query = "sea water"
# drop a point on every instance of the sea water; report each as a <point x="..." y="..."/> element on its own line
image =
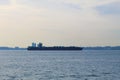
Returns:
<point x="60" y="65"/>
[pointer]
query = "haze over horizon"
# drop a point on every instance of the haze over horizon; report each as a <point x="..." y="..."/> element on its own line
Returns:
<point x="63" y="22"/>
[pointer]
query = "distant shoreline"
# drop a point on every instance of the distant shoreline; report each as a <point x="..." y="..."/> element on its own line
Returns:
<point x="84" y="48"/>
<point x="11" y="48"/>
<point x="103" y="48"/>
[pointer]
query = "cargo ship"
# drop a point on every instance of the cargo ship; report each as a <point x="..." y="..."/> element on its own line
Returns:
<point x="41" y="47"/>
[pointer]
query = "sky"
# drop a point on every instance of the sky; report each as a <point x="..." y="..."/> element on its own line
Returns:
<point x="60" y="22"/>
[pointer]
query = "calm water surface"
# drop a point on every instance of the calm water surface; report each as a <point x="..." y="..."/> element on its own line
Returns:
<point x="60" y="65"/>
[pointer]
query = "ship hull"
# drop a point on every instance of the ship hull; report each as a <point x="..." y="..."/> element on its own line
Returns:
<point x="54" y="48"/>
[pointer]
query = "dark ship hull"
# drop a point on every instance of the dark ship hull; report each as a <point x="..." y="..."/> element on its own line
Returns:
<point x="54" y="48"/>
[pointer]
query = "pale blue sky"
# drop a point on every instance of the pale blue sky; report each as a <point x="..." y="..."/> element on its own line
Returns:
<point x="112" y="8"/>
<point x="63" y="22"/>
<point x="4" y="2"/>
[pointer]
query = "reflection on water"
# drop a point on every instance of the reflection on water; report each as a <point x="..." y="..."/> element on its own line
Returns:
<point x="60" y="65"/>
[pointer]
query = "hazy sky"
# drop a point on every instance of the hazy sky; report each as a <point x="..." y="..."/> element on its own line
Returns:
<point x="60" y="22"/>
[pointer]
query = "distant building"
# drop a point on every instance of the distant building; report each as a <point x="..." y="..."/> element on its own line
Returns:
<point x="16" y="47"/>
<point x="33" y="44"/>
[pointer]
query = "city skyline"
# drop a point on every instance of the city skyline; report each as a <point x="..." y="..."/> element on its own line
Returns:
<point x="66" y="23"/>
